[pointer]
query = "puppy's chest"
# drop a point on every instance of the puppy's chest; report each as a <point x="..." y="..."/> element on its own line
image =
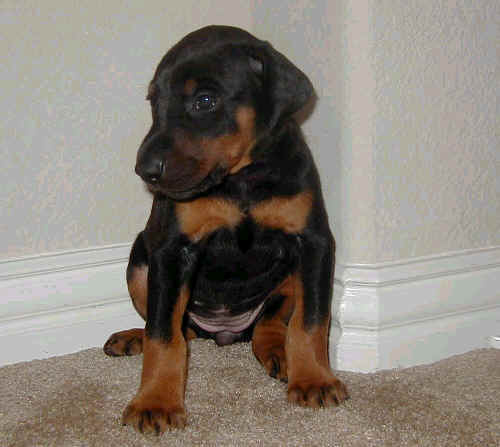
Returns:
<point x="202" y="217"/>
<point x="242" y="262"/>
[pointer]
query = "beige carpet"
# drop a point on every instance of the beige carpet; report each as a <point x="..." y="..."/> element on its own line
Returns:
<point x="77" y="400"/>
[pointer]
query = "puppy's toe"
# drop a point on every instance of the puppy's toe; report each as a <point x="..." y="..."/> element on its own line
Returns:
<point x="153" y="420"/>
<point x="124" y="343"/>
<point x="319" y="394"/>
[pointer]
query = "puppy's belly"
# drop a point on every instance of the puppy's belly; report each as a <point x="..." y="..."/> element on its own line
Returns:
<point x="225" y="327"/>
<point x="233" y="283"/>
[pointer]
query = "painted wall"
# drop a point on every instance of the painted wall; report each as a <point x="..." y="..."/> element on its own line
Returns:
<point x="73" y="80"/>
<point x="405" y="129"/>
<point x="437" y="128"/>
<point x="406" y="126"/>
<point x="330" y="43"/>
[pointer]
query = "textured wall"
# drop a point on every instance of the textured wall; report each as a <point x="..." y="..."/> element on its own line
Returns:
<point x="406" y="126"/>
<point x="437" y="139"/>
<point x="405" y="130"/>
<point x="73" y="79"/>
<point x="330" y="41"/>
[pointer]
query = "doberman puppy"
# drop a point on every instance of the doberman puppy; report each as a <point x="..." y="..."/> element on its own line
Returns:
<point x="237" y="246"/>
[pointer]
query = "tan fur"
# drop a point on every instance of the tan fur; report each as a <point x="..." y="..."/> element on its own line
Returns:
<point x="234" y="149"/>
<point x="127" y="342"/>
<point x="201" y="217"/>
<point x="190" y="334"/>
<point x="289" y="214"/>
<point x="311" y="382"/>
<point x="138" y="289"/>
<point x="269" y="335"/>
<point x="159" y="402"/>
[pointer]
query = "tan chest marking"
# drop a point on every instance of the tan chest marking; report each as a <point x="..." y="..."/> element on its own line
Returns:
<point x="201" y="217"/>
<point x="289" y="214"/>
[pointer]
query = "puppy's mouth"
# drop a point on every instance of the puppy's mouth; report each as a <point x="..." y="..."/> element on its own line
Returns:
<point x="214" y="178"/>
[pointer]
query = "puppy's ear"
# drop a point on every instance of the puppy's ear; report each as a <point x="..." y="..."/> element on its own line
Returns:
<point x="287" y="87"/>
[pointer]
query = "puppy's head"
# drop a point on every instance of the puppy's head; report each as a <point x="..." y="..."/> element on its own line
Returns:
<point x="214" y="94"/>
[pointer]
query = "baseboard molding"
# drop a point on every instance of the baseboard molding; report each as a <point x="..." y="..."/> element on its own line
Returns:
<point x="418" y="311"/>
<point x="59" y="303"/>
<point x="385" y="315"/>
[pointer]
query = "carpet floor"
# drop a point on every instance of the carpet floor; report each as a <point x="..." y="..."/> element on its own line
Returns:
<point x="77" y="400"/>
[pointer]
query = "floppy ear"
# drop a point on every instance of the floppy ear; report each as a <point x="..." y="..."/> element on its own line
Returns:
<point x="288" y="88"/>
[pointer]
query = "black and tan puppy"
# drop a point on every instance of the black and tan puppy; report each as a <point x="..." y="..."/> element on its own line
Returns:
<point x="238" y="246"/>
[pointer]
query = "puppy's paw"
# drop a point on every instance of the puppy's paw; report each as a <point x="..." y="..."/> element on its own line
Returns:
<point x="319" y="393"/>
<point x="124" y="343"/>
<point x="275" y="364"/>
<point x="153" y="419"/>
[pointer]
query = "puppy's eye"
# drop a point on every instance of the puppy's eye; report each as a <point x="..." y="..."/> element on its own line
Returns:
<point x="204" y="103"/>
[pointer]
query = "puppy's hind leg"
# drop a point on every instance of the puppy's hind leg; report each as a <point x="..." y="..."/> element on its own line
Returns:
<point x="129" y="342"/>
<point x="269" y="335"/>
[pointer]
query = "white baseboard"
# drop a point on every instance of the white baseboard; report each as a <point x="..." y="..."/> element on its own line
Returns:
<point x="494" y="341"/>
<point x="60" y="303"/>
<point x="414" y="312"/>
<point x="385" y="315"/>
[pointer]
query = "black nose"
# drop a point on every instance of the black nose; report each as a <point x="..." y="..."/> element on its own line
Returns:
<point x="150" y="171"/>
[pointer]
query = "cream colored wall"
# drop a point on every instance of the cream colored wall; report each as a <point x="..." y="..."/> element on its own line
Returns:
<point x="405" y="130"/>
<point x="73" y="80"/>
<point x="328" y="40"/>
<point x="437" y="129"/>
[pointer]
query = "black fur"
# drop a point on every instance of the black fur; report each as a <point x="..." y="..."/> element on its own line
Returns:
<point x="238" y="268"/>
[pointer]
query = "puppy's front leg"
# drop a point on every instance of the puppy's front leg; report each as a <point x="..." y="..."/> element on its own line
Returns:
<point x="311" y="382"/>
<point x="159" y="403"/>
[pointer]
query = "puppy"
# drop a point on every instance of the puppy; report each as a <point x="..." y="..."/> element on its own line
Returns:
<point x="237" y="246"/>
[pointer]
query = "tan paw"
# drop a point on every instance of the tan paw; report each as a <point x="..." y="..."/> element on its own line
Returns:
<point x="124" y="343"/>
<point x="316" y="394"/>
<point x="153" y="419"/>
<point x="275" y="364"/>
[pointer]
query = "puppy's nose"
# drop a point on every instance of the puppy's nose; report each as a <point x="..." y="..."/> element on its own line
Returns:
<point x="151" y="170"/>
